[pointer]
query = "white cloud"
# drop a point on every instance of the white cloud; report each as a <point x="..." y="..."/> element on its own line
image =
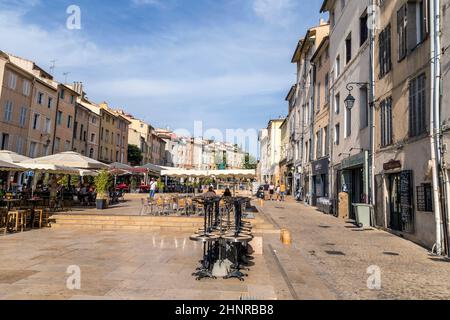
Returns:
<point x="275" y="11"/>
<point x="209" y="71"/>
<point x="146" y="2"/>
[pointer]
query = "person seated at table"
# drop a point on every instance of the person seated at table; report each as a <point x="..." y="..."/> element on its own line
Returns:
<point x="210" y="194"/>
<point x="227" y="193"/>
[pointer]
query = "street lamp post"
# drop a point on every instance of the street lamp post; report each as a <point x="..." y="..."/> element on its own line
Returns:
<point x="349" y="104"/>
<point x="350" y="100"/>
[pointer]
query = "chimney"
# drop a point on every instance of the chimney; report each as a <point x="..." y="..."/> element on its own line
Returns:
<point x="78" y="87"/>
<point x="322" y="22"/>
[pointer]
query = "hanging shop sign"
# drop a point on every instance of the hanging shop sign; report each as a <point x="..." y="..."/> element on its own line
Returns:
<point x="320" y="167"/>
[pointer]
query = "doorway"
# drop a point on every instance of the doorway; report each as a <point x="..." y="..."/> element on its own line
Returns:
<point x="395" y="222"/>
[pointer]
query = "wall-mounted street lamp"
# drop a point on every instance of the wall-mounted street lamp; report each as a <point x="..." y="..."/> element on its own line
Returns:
<point x="350" y="100"/>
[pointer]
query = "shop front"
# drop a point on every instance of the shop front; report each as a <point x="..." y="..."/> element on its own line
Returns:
<point x="354" y="181"/>
<point x="320" y="180"/>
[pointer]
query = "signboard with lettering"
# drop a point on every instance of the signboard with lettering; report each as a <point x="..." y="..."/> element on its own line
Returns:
<point x="392" y="165"/>
<point x="406" y="197"/>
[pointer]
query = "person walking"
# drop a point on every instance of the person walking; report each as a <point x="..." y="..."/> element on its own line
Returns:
<point x="278" y="191"/>
<point x="282" y="192"/>
<point x="153" y="186"/>
<point x="271" y="191"/>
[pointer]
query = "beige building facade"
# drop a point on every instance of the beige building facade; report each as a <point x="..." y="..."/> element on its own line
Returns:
<point x="15" y="101"/>
<point x="402" y="116"/>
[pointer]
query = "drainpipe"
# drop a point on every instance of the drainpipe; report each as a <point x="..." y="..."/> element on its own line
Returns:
<point x="372" y="104"/>
<point x="434" y="17"/>
<point x="437" y="92"/>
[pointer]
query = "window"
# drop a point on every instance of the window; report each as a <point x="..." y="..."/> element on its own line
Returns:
<point x="107" y="136"/>
<point x="337" y="134"/>
<point x="62" y="94"/>
<point x="386" y="122"/>
<point x="417" y="106"/>
<point x="91" y="153"/>
<point x="93" y="137"/>
<point x="81" y="132"/>
<point x="417" y="22"/>
<point x="19" y="145"/>
<point x="348" y="49"/>
<point x="318" y="96"/>
<point x="8" y="111"/>
<point x="348" y="122"/>
<point x="48" y="125"/>
<point x="363" y="29"/>
<point x="425" y="198"/>
<point x="337" y="103"/>
<point x="46" y="150"/>
<point x="12" y="81"/>
<point x="67" y="145"/>
<point x="40" y="97"/>
<point x="75" y="129"/>
<point x="401" y="31"/>
<point x="327" y="88"/>
<point x="72" y="99"/>
<point x="36" y="119"/>
<point x="50" y="102"/>
<point x="118" y="140"/>
<point x="338" y="66"/>
<point x="5" y="141"/>
<point x="384" y="44"/>
<point x="319" y="147"/>
<point x="94" y="120"/>
<point x="59" y="118"/>
<point x="33" y="149"/>
<point x="364" y="111"/>
<point x="57" y="145"/>
<point x="23" y="117"/>
<point x="327" y="140"/>
<point x="307" y="151"/>
<point x="69" y="122"/>
<point x="26" y="88"/>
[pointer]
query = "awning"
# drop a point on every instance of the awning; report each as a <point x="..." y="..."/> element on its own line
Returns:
<point x="6" y="166"/>
<point x="51" y="168"/>
<point x="70" y="159"/>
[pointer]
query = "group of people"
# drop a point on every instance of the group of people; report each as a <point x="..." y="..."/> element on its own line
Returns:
<point x="277" y="192"/>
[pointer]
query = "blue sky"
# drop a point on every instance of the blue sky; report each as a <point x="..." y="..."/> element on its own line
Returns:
<point x="169" y="62"/>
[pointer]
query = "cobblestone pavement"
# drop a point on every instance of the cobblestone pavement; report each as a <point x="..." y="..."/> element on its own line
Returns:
<point x="327" y="260"/>
<point x="119" y="265"/>
<point x="339" y="254"/>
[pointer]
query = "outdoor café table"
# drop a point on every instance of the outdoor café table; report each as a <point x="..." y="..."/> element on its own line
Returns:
<point x="9" y="202"/>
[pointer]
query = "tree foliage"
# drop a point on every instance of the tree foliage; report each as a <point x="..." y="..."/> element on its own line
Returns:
<point x="134" y="155"/>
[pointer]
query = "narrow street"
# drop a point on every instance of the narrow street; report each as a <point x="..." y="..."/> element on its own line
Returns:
<point x="329" y="258"/>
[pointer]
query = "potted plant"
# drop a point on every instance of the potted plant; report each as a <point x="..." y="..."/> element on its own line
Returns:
<point x="102" y="185"/>
<point x="133" y="185"/>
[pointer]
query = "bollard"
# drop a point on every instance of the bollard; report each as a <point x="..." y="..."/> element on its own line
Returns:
<point x="286" y="238"/>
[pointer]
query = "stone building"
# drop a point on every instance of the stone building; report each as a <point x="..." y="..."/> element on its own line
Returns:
<point x="403" y="176"/>
<point x="321" y="122"/>
<point x="350" y="74"/>
<point x="65" y="118"/>
<point x="15" y="101"/>
<point x="303" y="109"/>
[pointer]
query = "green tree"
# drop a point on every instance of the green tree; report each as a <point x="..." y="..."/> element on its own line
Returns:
<point x="250" y="162"/>
<point x="134" y="155"/>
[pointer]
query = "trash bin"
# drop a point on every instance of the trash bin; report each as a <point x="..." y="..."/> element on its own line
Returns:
<point x="363" y="214"/>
